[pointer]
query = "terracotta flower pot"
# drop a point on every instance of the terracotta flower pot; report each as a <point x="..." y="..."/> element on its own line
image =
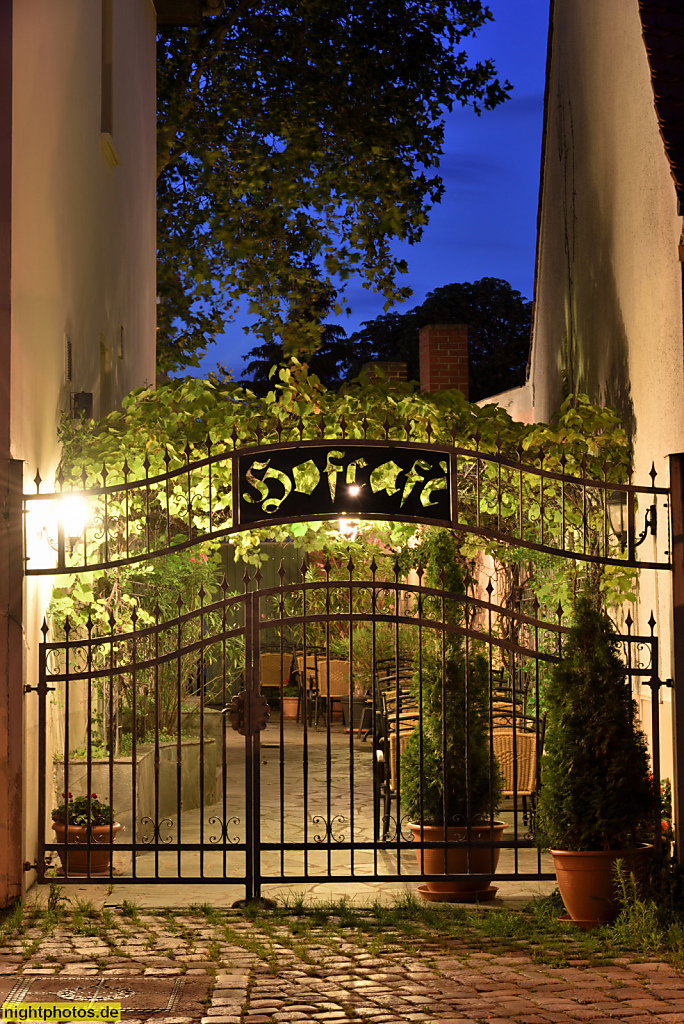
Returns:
<point x="483" y="861"/>
<point x="288" y="707"/>
<point x="78" y="858"/>
<point x="587" y="883"/>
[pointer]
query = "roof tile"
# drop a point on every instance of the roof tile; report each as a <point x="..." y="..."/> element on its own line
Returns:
<point x="663" y="30"/>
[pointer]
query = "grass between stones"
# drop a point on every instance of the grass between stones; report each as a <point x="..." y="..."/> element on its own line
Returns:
<point x="314" y="934"/>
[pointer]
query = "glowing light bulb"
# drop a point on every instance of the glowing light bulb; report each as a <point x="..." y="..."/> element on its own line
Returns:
<point x="354" y="489"/>
<point x="73" y="515"/>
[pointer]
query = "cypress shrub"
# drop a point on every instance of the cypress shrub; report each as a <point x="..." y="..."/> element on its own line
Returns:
<point x="596" y="790"/>
<point x="443" y="714"/>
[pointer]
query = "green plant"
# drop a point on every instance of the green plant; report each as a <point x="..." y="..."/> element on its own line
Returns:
<point x="596" y="792"/>
<point x="85" y="811"/>
<point x="130" y="910"/>
<point x="57" y="902"/>
<point x="447" y="774"/>
<point x="438" y="789"/>
<point x="290" y="689"/>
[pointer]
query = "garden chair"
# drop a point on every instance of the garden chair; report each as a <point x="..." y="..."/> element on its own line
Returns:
<point x="390" y="744"/>
<point x="332" y="682"/>
<point x="519" y="749"/>
<point x="305" y="673"/>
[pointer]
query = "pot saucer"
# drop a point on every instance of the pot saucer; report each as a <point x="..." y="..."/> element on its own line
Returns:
<point x="457" y="897"/>
<point x="584" y="926"/>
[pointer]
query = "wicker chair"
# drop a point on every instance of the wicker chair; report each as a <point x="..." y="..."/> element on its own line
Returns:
<point x="525" y="756"/>
<point x="332" y="682"/>
<point x="306" y="679"/>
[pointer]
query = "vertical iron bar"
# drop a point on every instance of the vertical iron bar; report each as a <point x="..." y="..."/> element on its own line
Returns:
<point x="89" y="739"/>
<point x="655" y="733"/>
<point x="235" y="490"/>
<point x="562" y="539"/>
<point x="677" y="557"/>
<point x="201" y="670"/>
<point x="179" y="741"/>
<point x="147" y="505"/>
<point x="67" y="633"/>
<point x="281" y="767"/>
<point x="453" y="483"/>
<point x="224" y="728"/>
<point x="397" y="768"/>
<point x="631" y="516"/>
<point x="514" y="694"/>
<point x="249" y="749"/>
<point x="492" y="760"/>
<point x="541" y="500"/>
<point x="255" y="737"/>
<point x="374" y="710"/>
<point x="155" y="823"/>
<point x="351" y="716"/>
<point x="468" y="766"/>
<point x="305" y="739"/>
<point x="42" y="752"/>
<point x="445" y="785"/>
<point x="420" y="720"/>
<point x="328" y="722"/>
<point x="112" y="739"/>
<point x="134" y="738"/>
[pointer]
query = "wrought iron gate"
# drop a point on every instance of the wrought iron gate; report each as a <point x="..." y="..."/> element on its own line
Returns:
<point x="169" y="724"/>
<point x="165" y="718"/>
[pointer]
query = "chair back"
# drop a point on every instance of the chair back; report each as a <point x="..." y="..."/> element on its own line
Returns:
<point x="272" y="668"/>
<point x="526" y="750"/>
<point x="333" y="678"/>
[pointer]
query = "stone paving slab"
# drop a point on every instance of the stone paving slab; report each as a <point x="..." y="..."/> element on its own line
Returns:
<point x="185" y="969"/>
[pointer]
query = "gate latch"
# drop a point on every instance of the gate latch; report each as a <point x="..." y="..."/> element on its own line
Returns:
<point x="248" y="712"/>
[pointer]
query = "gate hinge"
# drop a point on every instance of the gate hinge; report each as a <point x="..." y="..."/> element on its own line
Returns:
<point x="28" y="866"/>
<point x="37" y="689"/>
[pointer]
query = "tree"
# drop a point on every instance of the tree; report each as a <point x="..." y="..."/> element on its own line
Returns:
<point x="296" y="141"/>
<point x="330" y="362"/>
<point x="499" y="321"/>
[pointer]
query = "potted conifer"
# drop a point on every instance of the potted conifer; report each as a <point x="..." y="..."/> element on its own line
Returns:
<point x="457" y="790"/>
<point x="450" y="783"/>
<point x="597" y="800"/>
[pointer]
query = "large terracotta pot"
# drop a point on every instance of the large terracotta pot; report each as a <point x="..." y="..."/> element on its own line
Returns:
<point x="78" y="858"/>
<point x="483" y="861"/>
<point x="587" y="883"/>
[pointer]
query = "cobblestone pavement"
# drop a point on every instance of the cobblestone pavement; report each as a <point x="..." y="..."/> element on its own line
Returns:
<point x="185" y="967"/>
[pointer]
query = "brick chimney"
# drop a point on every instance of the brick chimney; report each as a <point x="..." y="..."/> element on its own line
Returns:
<point x="444" y="357"/>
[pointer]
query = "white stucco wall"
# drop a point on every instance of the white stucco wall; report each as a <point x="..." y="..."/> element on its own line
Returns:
<point x="517" y="402"/>
<point x="608" y="311"/>
<point x="83" y="245"/>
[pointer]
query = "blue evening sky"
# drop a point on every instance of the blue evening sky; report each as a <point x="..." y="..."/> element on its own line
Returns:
<point x="485" y="225"/>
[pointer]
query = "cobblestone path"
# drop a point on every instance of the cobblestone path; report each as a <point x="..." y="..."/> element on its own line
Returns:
<point x="181" y="968"/>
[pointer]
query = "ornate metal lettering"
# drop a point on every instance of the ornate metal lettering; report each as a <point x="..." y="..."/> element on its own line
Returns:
<point x="338" y="479"/>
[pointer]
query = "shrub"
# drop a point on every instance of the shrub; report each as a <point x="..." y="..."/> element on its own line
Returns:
<point x="596" y="793"/>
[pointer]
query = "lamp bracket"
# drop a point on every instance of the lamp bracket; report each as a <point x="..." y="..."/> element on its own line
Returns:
<point x="650" y="525"/>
